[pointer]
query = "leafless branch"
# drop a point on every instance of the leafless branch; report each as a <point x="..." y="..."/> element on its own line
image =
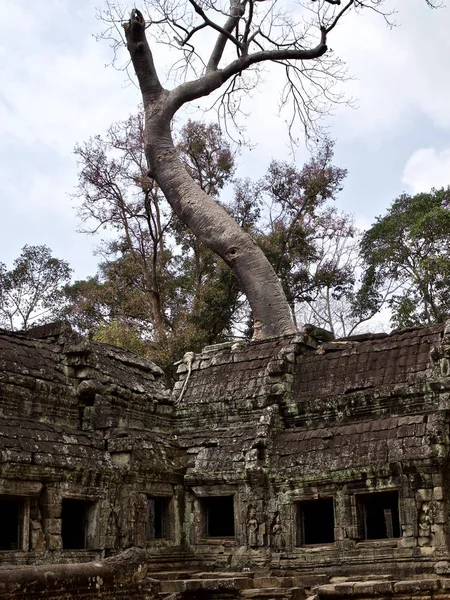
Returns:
<point x="248" y="34"/>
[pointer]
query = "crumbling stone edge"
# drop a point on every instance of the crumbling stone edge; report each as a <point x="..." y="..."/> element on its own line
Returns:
<point x="127" y="571"/>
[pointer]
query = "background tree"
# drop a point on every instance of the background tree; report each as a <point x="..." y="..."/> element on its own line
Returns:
<point x="407" y="251"/>
<point x="210" y="294"/>
<point x="337" y="304"/>
<point x="116" y="194"/>
<point x="331" y="305"/>
<point x="156" y="281"/>
<point x="300" y="221"/>
<point x="31" y="292"/>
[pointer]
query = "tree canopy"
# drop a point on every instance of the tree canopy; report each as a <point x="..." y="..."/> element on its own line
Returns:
<point x="156" y="279"/>
<point x="31" y="292"/>
<point x="241" y="36"/>
<point x="159" y="290"/>
<point x="407" y="251"/>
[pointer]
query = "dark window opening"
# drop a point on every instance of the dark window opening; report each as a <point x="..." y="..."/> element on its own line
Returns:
<point x="316" y="520"/>
<point x="158" y="518"/>
<point x="74" y="523"/>
<point x="11" y="519"/>
<point x="219" y="516"/>
<point x="86" y="399"/>
<point x="379" y="515"/>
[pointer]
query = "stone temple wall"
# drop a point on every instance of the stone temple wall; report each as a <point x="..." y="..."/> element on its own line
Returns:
<point x="335" y="455"/>
<point x="293" y="455"/>
<point x="86" y="436"/>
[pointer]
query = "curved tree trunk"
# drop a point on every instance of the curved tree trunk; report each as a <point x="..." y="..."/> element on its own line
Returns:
<point x="214" y="227"/>
<point x="209" y="222"/>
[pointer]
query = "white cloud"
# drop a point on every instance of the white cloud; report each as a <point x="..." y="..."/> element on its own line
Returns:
<point x="63" y="98"/>
<point x="427" y="168"/>
<point x="400" y="74"/>
<point x="54" y="92"/>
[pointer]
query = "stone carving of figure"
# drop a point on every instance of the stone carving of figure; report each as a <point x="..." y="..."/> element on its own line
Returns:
<point x="252" y="528"/>
<point x="425" y="525"/>
<point x="277" y="533"/>
<point x="37" y="537"/>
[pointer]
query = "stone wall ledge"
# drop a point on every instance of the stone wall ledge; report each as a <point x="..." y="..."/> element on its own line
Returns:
<point x="368" y="589"/>
<point x="209" y="584"/>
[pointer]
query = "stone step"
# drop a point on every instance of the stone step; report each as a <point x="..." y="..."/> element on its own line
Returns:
<point x="164" y="575"/>
<point x="185" y="565"/>
<point x="192" y="574"/>
<point x="224" y="574"/>
<point x="270" y="581"/>
<point x="303" y="579"/>
<point x="206" y="585"/>
<point x="277" y="593"/>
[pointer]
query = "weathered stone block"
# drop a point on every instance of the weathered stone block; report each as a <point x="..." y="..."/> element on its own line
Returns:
<point x="408" y="542"/>
<point x="173" y="586"/>
<point x="372" y="588"/>
<point x="407" y="587"/>
<point x="424" y="495"/>
<point x="443" y="568"/>
<point x="52" y="526"/>
<point x="54" y="542"/>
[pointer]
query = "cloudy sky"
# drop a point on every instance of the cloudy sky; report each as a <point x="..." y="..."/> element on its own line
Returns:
<point x="56" y="90"/>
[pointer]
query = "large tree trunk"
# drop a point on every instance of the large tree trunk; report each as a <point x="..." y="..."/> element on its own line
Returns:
<point x="212" y="225"/>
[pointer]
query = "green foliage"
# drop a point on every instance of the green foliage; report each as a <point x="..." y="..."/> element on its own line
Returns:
<point x="407" y="253"/>
<point x="206" y="155"/>
<point x="31" y="292"/>
<point x="156" y="278"/>
<point x="122" y="334"/>
<point x="301" y="225"/>
<point x="157" y="283"/>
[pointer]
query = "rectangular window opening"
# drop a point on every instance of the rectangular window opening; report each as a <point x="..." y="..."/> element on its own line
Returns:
<point x="316" y="522"/>
<point x="11" y="523"/>
<point x="219" y="516"/>
<point x="158" y="518"/>
<point x="77" y="523"/>
<point x="379" y="515"/>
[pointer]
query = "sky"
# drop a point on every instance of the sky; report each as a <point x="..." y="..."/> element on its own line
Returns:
<point x="57" y="90"/>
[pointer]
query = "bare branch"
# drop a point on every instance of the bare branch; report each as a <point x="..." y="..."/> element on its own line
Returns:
<point x="141" y="55"/>
<point x="214" y="80"/>
<point x="222" y="30"/>
<point x="219" y="47"/>
<point x="339" y="15"/>
<point x="189" y="34"/>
